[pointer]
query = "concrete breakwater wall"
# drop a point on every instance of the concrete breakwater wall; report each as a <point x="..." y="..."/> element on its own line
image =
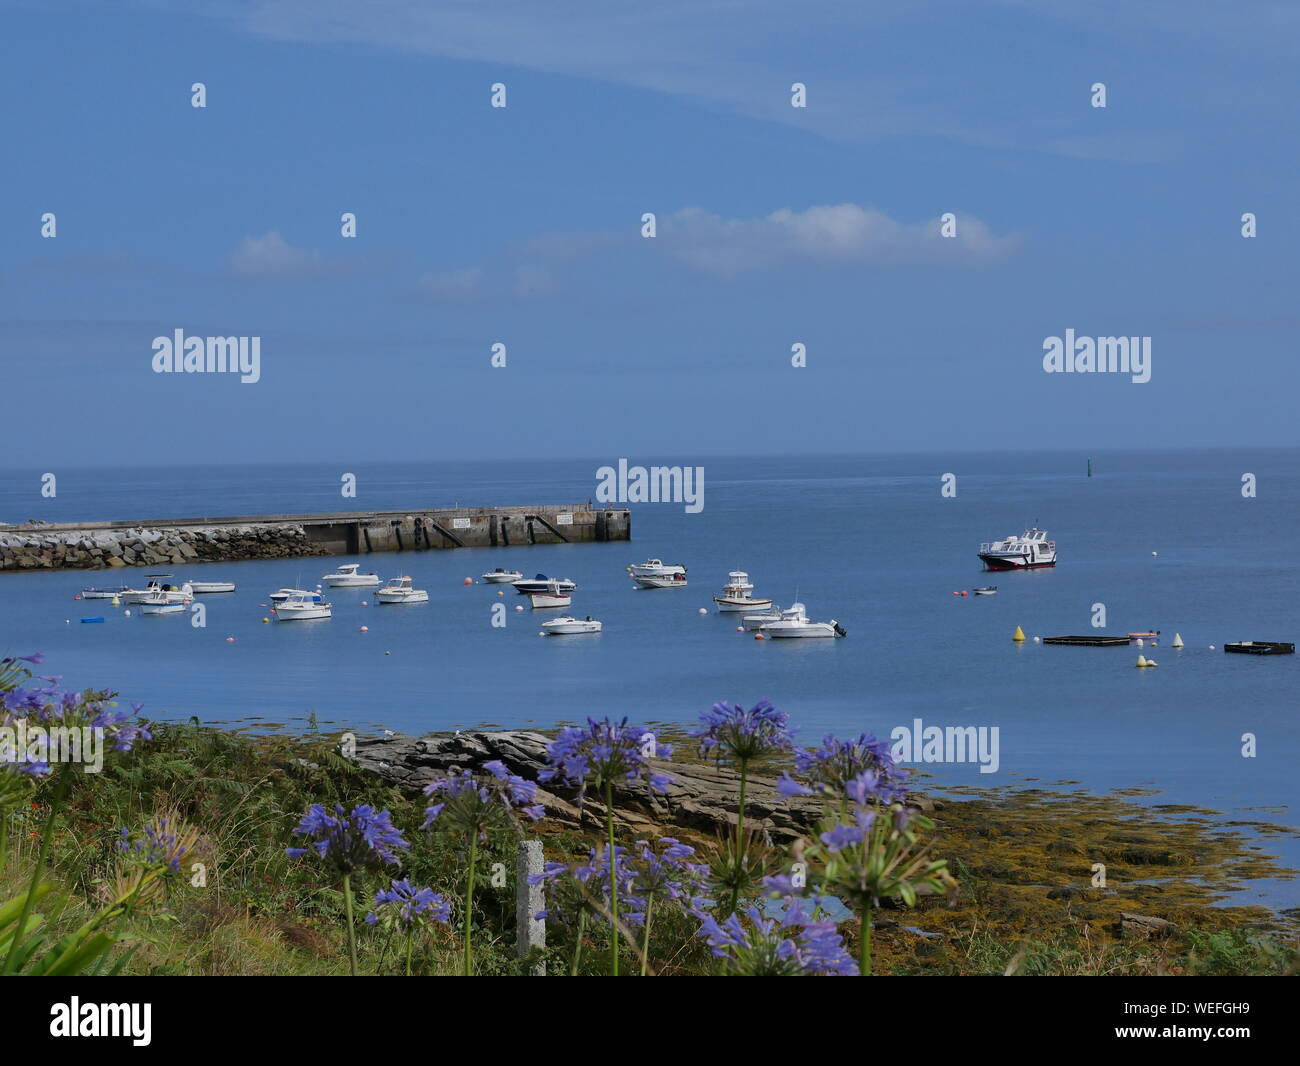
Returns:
<point x="100" y="545"/>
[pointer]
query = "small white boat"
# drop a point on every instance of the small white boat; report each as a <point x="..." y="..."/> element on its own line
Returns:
<point x="349" y="576"/>
<point x="655" y="568"/>
<point x="552" y="596"/>
<point x="162" y="602"/>
<point x="303" y="605"/>
<point x="737" y="595"/>
<point x="758" y="621"/>
<point x="104" y="592"/>
<point x="155" y="585"/>
<point x="201" y="587"/>
<point x="1029" y="551"/>
<point x="661" y="581"/>
<point x="794" y="623"/>
<point x="541" y="583"/>
<point x="399" y="590"/>
<point x="571" y="625"/>
<point x="987" y="590"/>
<point x="284" y="594"/>
<point x="502" y="577"/>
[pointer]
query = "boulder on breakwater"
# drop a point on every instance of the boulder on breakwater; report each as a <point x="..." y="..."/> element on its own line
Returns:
<point x="64" y="549"/>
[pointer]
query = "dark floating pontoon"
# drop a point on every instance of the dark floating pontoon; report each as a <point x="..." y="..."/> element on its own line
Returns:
<point x="1261" y="647"/>
<point x="1089" y="641"/>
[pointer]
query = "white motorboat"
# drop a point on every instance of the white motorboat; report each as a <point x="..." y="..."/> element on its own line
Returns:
<point x="758" y="621"/>
<point x="162" y="602"/>
<point x="349" y="576"/>
<point x="1029" y="551"/>
<point x="655" y="568"/>
<point x="201" y="587"/>
<point x="551" y="596"/>
<point x="399" y="590"/>
<point x="156" y="584"/>
<point x="737" y="595"/>
<point x="571" y="625"/>
<point x="502" y="577"/>
<point x="103" y="592"/>
<point x="541" y="583"/>
<point x="987" y="590"/>
<point x="661" y="581"/>
<point x="284" y="594"/>
<point x="303" y="605"/>
<point x="794" y="623"/>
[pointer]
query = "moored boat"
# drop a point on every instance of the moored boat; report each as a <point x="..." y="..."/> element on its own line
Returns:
<point x="104" y="592"/>
<point x="655" y="568"/>
<point x="283" y="594"/>
<point x="163" y="602"/>
<point x="737" y="595"/>
<point x="1029" y="551"/>
<point x="661" y="581"/>
<point x="502" y="577"/>
<point x="201" y="587"/>
<point x="986" y="590"/>
<point x="399" y="590"/>
<point x="302" y="605"/>
<point x="349" y="576"/>
<point x="155" y="584"/>
<point x="758" y="621"/>
<point x="541" y="583"/>
<point x="794" y="623"/>
<point x="566" y="624"/>
<point x="554" y="595"/>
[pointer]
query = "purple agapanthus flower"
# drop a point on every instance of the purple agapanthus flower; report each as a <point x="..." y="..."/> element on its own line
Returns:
<point x="471" y="805"/>
<point x="793" y="945"/>
<point x="571" y="889"/>
<point x="162" y="843"/>
<point x="364" y="839"/>
<point x="407" y="906"/>
<point x="829" y="769"/>
<point x="728" y="730"/>
<point x="603" y="754"/>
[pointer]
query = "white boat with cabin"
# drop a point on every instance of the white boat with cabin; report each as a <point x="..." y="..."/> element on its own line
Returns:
<point x="349" y="576"/>
<point x="758" y="621"/>
<point x="661" y="581"/>
<point x="566" y="625"/>
<point x="502" y="577"/>
<point x="163" y="602"/>
<point x="737" y="595"/>
<point x="656" y="568"/>
<point x="155" y="585"/>
<point x="283" y="594"/>
<point x="552" y="596"/>
<point x="104" y="592"/>
<point x="794" y="623"/>
<point x="542" y="583"/>
<point x="399" y="590"/>
<point x="303" y="605"/>
<point x="1029" y="551"/>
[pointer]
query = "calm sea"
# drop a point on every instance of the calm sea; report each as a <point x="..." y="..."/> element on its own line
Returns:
<point x="1164" y="540"/>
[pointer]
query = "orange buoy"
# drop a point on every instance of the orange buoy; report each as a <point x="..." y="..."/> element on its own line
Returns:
<point x="758" y="636"/>
<point x="963" y="592"/>
<point x="469" y="581"/>
<point x="230" y="640"/>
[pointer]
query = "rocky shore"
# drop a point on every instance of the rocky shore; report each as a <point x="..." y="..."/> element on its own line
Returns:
<point x="31" y="549"/>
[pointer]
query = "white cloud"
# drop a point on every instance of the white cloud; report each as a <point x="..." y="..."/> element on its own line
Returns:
<point x="271" y="256"/>
<point x="838" y="233"/>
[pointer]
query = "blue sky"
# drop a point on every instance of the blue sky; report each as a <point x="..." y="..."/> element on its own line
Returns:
<point x="521" y="225"/>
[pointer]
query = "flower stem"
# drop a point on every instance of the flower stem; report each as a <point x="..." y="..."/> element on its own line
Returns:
<point x="61" y="787"/>
<point x="469" y="904"/>
<point x="577" y="946"/>
<point x="738" y="857"/>
<point x="613" y="878"/>
<point x="352" y="935"/>
<point x="410" y="938"/>
<point x="645" y="942"/>
<point x="864" y="944"/>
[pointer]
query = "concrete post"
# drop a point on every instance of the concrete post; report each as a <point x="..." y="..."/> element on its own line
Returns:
<point x="530" y="932"/>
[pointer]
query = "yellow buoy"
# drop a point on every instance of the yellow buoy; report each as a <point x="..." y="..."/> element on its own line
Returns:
<point x="1019" y="635"/>
<point x="1143" y="661"/>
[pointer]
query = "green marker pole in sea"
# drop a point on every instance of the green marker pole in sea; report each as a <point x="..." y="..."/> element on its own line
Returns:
<point x="1090" y="468"/>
